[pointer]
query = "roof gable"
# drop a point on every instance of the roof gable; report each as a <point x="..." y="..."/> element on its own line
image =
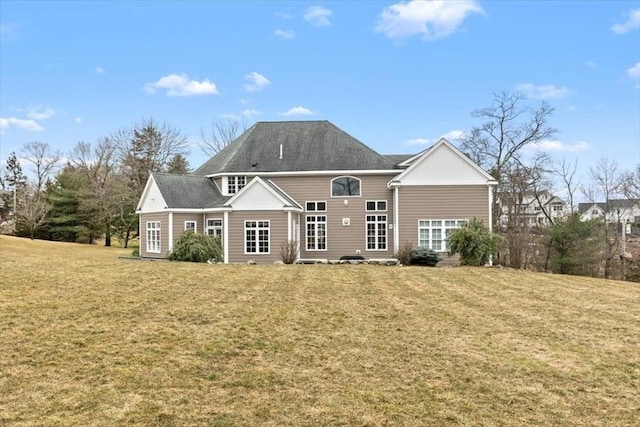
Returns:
<point x="151" y="199"/>
<point x="294" y="146"/>
<point x="442" y="164"/>
<point x="185" y="191"/>
<point x="259" y="194"/>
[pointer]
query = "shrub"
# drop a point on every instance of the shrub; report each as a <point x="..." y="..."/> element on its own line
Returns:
<point x="196" y="247"/>
<point x="474" y="242"/>
<point x="135" y="252"/>
<point x="403" y="254"/>
<point x="289" y="251"/>
<point x="424" y="256"/>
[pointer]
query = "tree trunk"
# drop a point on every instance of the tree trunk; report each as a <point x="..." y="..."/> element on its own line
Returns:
<point x="107" y="234"/>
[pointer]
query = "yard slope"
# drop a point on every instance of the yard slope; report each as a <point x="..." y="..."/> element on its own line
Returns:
<point x="88" y="338"/>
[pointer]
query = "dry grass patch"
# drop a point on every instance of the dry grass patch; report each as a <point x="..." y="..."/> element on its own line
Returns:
<point x="90" y="339"/>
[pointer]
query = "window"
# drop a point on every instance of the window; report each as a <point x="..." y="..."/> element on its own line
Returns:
<point x="214" y="227"/>
<point x="316" y="206"/>
<point x="433" y="234"/>
<point x="376" y="232"/>
<point x="153" y="236"/>
<point x="190" y="226"/>
<point x="345" y="186"/>
<point x="376" y="205"/>
<point x="316" y="232"/>
<point x="256" y="239"/>
<point x="235" y="184"/>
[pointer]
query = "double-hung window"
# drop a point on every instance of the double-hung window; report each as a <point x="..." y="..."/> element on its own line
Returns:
<point x="153" y="237"/>
<point x="235" y="183"/>
<point x="214" y="227"/>
<point x="376" y="224"/>
<point x="256" y="237"/>
<point x="433" y="234"/>
<point x="190" y="226"/>
<point x="316" y="226"/>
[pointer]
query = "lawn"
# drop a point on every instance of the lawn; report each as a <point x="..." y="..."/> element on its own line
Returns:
<point x="87" y="338"/>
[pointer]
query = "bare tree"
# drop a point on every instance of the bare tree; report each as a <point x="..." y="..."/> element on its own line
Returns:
<point x="571" y="183"/>
<point x="44" y="161"/>
<point x="508" y="128"/>
<point x="32" y="209"/>
<point x="221" y="134"/>
<point x="631" y="185"/>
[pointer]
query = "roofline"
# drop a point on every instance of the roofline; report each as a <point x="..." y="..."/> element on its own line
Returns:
<point x="310" y="173"/>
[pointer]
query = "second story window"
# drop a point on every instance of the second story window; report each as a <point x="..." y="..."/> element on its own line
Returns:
<point x="235" y="184"/>
<point x="345" y="186"/>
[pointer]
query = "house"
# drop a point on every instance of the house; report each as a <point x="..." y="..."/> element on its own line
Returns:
<point x="613" y="210"/>
<point x="534" y="209"/>
<point x="312" y="183"/>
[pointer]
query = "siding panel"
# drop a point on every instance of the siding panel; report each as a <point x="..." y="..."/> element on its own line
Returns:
<point x="164" y="234"/>
<point x="277" y="235"/>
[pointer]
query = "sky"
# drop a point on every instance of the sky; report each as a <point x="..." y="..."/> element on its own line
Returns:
<point x="395" y="75"/>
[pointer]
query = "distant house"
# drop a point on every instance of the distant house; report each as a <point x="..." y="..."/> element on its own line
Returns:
<point x="314" y="184"/>
<point x="534" y="210"/>
<point x="613" y="211"/>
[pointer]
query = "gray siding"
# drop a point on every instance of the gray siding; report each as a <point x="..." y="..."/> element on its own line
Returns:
<point x="179" y="220"/>
<point x="341" y="239"/>
<point x="440" y="202"/>
<point x="164" y="234"/>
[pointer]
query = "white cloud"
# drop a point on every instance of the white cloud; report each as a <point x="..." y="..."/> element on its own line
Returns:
<point x="99" y="70"/>
<point x="431" y="19"/>
<point x="28" y="125"/>
<point x="451" y="136"/>
<point x="454" y="135"/>
<point x="229" y="116"/>
<point x="591" y="64"/>
<point x="318" y="16"/>
<point x="542" y="91"/>
<point x="181" y="85"/>
<point x="632" y="22"/>
<point x="418" y="141"/>
<point x="78" y="120"/>
<point x="556" y="145"/>
<point x="251" y="113"/>
<point x="256" y="82"/>
<point x="634" y="72"/>
<point x="40" y="112"/>
<point x="284" y="34"/>
<point x="298" y="111"/>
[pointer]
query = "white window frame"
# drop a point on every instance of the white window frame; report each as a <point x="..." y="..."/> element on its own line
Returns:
<point x="258" y="226"/>
<point x="316" y="240"/>
<point x="234" y="185"/>
<point x="153" y="235"/>
<point x="213" y="229"/>
<point x="347" y="195"/>
<point x="379" y="222"/>
<point x="444" y="228"/>
<point x="312" y="206"/>
<point x="377" y="205"/>
<point x="195" y="226"/>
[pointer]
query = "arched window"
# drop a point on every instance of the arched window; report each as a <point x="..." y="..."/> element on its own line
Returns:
<point x="345" y="186"/>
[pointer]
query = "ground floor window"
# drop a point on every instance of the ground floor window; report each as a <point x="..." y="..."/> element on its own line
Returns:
<point x="433" y="234"/>
<point x="214" y="227"/>
<point x="190" y="226"/>
<point x="256" y="237"/>
<point x="153" y="236"/>
<point x="376" y="232"/>
<point x="316" y="232"/>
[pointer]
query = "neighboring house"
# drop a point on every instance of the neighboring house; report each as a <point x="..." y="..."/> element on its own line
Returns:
<point x="531" y="211"/>
<point x="613" y="210"/>
<point x="312" y="183"/>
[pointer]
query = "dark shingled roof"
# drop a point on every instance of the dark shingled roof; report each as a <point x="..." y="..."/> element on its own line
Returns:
<point x="396" y="159"/>
<point x="189" y="191"/>
<point x="306" y="146"/>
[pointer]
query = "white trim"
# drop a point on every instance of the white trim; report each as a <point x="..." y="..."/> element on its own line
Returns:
<point x="187" y="210"/>
<point x="257" y="229"/>
<point x="207" y="227"/>
<point x="443" y="228"/>
<point x="376" y="222"/>
<point x="157" y="229"/>
<point x="386" y="204"/>
<point x="170" y="231"/>
<point x="396" y="219"/>
<point x="316" y="204"/>
<point x="326" y="232"/>
<point x="306" y="173"/>
<point x="259" y="181"/>
<point x="225" y="237"/>
<point x="288" y="227"/>
<point x="490" y="218"/>
<point x="195" y="225"/>
<point x="147" y="187"/>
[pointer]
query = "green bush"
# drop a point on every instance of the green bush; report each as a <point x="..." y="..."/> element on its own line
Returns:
<point x="474" y="242"/>
<point x="195" y="247"/>
<point x="135" y="251"/>
<point x="425" y="256"/>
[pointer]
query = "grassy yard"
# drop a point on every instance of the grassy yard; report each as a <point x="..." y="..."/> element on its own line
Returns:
<point x="87" y="338"/>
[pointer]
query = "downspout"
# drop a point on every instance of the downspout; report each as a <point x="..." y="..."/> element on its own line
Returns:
<point x="225" y="238"/>
<point x="170" y="233"/>
<point x="396" y="219"/>
<point x="490" y="217"/>
<point x="289" y="226"/>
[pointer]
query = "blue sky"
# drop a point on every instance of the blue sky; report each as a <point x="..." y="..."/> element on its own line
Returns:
<point x="396" y="75"/>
